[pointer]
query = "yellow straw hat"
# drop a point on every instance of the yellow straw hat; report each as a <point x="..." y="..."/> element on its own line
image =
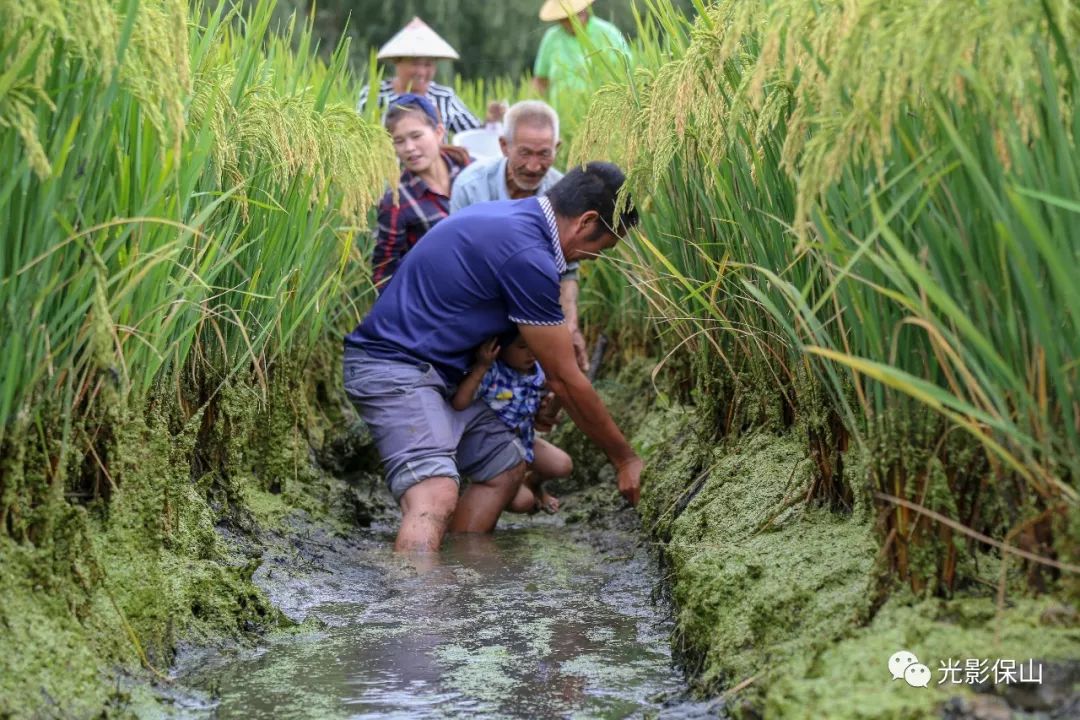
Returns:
<point x="561" y="9"/>
<point x="417" y="39"/>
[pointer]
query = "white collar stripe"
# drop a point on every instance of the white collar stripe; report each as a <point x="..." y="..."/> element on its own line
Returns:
<point x="549" y="215"/>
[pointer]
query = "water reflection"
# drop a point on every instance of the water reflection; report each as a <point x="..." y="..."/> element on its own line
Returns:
<point x="534" y="622"/>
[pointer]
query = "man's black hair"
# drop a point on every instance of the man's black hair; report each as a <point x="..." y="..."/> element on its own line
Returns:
<point x="593" y="187"/>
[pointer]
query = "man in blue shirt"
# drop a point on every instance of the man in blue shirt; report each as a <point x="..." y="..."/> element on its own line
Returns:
<point x="475" y="276"/>
<point x="529" y="144"/>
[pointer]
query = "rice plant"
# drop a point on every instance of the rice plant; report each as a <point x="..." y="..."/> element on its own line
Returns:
<point x="181" y="196"/>
<point x="880" y="197"/>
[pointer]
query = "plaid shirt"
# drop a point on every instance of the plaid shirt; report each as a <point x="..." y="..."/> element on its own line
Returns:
<point x="401" y="226"/>
<point x="515" y="398"/>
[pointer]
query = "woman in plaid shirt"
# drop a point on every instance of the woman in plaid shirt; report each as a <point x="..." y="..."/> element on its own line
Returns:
<point x="510" y="381"/>
<point x="428" y="171"/>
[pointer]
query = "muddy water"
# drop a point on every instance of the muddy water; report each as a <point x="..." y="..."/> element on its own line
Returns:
<point x="535" y="621"/>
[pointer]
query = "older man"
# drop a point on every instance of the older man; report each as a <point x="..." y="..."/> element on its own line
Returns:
<point x="529" y="142"/>
<point x="453" y="292"/>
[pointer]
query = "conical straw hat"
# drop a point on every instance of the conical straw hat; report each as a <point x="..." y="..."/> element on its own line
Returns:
<point x="417" y="40"/>
<point x="561" y="9"/>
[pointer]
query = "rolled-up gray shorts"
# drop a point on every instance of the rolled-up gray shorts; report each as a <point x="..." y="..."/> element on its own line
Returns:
<point x="418" y="433"/>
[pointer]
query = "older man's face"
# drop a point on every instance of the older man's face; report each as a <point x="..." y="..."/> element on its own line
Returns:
<point x="529" y="154"/>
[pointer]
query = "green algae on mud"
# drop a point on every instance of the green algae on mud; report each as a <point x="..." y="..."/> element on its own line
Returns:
<point x="789" y="599"/>
<point x="850" y="678"/>
<point x="782" y="596"/>
<point x="758" y="581"/>
<point x="115" y="583"/>
<point x="109" y="582"/>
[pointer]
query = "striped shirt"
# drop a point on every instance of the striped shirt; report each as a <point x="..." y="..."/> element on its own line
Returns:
<point x="401" y="226"/>
<point x="455" y="116"/>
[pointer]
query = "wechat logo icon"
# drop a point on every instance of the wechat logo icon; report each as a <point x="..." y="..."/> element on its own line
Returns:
<point x="904" y="664"/>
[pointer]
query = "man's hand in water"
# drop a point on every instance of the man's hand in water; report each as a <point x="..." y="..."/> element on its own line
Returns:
<point x="628" y="475"/>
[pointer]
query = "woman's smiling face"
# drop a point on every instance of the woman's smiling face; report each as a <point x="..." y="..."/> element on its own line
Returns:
<point x="416" y="142"/>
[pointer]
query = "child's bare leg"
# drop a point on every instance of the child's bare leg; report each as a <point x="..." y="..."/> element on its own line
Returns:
<point x="524" y="501"/>
<point x="548" y="462"/>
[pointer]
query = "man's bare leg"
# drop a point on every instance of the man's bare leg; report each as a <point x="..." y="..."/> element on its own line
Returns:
<point x="425" y="511"/>
<point x="480" y="506"/>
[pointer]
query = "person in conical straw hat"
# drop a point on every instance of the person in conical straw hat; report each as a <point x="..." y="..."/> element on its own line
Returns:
<point x="562" y="62"/>
<point x="414" y="52"/>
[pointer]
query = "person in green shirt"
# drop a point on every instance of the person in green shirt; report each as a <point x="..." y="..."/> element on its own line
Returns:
<point x="562" y="62"/>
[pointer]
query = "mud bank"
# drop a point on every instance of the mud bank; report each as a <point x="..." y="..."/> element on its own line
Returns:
<point x="784" y="606"/>
<point x="212" y="531"/>
<point x="108" y="565"/>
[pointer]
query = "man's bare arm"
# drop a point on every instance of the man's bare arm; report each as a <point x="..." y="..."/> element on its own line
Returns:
<point x="568" y="297"/>
<point x="551" y="345"/>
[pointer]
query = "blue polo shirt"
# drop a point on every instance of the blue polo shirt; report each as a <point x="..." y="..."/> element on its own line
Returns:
<point x="474" y="276"/>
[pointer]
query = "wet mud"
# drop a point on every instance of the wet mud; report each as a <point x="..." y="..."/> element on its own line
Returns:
<point x="541" y="619"/>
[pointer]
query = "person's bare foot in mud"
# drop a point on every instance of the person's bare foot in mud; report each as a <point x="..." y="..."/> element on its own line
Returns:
<point x="531" y="500"/>
<point x="548" y="462"/>
<point x="548" y="502"/>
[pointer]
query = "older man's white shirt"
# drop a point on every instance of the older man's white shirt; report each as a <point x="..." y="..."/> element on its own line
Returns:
<point x="486" y="180"/>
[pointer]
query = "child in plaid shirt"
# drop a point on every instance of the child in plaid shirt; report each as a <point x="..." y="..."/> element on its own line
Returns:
<point x="513" y="385"/>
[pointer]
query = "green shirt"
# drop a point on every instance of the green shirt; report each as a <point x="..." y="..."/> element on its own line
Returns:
<point x="564" y="59"/>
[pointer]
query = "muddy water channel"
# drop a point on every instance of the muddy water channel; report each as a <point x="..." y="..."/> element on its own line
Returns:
<point x="536" y="621"/>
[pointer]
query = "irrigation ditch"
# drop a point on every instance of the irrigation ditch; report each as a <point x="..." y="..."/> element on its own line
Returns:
<point x="267" y="586"/>
<point x="862" y="440"/>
